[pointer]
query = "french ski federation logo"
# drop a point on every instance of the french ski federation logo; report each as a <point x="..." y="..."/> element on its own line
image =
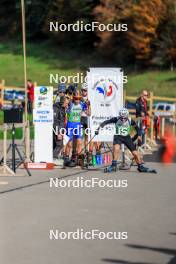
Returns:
<point x="105" y="90"/>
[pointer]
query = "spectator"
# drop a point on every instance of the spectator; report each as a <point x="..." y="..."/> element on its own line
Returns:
<point x="141" y="105"/>
<point x="60" y="92"/>
<point x="142" y="113"/>
<point x="59" y="109"/>
<point x="85" y="120"/>
<point x="30" y="95"/>
<point x="71" y="90"/>
<point x="156" y="126"/>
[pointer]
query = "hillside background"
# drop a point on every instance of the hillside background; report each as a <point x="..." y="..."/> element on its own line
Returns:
<point x="146" y="52"/>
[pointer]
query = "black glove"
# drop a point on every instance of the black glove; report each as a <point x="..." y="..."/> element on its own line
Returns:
<point x="97" y="131"/>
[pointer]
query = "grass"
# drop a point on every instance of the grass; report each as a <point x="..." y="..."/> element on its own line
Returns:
<point x="43" y="59"/>
<point x="162" y="83"/>
<point x="1" y="117"/>
<point x="18" y="131"/>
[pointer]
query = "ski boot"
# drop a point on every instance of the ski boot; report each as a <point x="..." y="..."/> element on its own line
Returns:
<point x="112" y="167"/>
<point x="72" y="163"/>
<point x="89" y="158"/>
<point x="66" y="161"/>
<point x="80" y="160"/>
<point x="141" y="168"/>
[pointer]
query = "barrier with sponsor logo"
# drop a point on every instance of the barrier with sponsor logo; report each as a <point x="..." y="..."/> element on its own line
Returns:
<point x="105" y="91"/>
<point x="43" y="124"/>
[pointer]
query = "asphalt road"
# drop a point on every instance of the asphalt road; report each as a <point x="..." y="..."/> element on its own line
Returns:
<point x="145" y="209"/>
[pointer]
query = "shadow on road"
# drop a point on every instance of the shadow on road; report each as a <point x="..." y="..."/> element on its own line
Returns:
<point x="41" y="182"/>
<point x="166" y="251"/>
<point x="123" y="261"/>
<point x="172" y="233"/>
<point x="154" y="157"/>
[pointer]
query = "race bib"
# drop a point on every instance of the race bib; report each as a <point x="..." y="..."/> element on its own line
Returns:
<point x="122" y="131"/>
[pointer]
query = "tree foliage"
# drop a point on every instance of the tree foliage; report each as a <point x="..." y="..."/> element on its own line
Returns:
<point x="150" y="39"/>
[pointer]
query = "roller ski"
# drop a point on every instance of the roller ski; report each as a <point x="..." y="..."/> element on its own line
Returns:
<point x="111" y="168"/>
<point x="141" y="168"/>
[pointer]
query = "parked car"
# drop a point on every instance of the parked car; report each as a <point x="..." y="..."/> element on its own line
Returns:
<point x="20" y="95"/>
<point x="9" y="95"/>
<point x="131" y="107"/>
<point x="165" y="109"/>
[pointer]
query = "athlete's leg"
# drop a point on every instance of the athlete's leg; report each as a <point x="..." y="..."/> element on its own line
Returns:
<point x="116" y="151"/>
<point x="68" y="148"/>
<point x="98" y="147"/>
<point x="79" y="146"/>
<point x="131" y="146"/>
<point x="113" y="166"/>
<point x="137" y="157"/>
<point x="85" y="139"/>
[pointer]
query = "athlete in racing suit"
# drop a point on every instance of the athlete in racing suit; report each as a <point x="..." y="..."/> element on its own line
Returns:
<point x="74" y="129"/>
<point x="122" y="136"/>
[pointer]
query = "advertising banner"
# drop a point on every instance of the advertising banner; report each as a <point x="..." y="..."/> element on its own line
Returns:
<point x="43" y="124"/>
<point x="105" y="91"/>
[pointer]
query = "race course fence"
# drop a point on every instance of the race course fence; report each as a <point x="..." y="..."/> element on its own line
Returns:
<point x="151" y="100"/>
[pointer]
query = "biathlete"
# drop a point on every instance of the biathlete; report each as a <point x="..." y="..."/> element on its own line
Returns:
<point x="123" y="126"/>
<point x="74" y="129"/>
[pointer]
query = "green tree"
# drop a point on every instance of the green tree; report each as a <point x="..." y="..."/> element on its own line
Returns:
<point x="166" y="42"/>
<point x="69" y="12"/>
<point x="8" y="18"/>
<point x="143" y="19"/>
<point x="36" y="12"/>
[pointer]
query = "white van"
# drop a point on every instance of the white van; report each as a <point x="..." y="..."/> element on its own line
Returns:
<point x="168" y="109"/>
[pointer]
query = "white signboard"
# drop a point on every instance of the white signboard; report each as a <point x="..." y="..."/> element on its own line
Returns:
<point x="43" y="124"/>
<point x="105" y="91"/>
